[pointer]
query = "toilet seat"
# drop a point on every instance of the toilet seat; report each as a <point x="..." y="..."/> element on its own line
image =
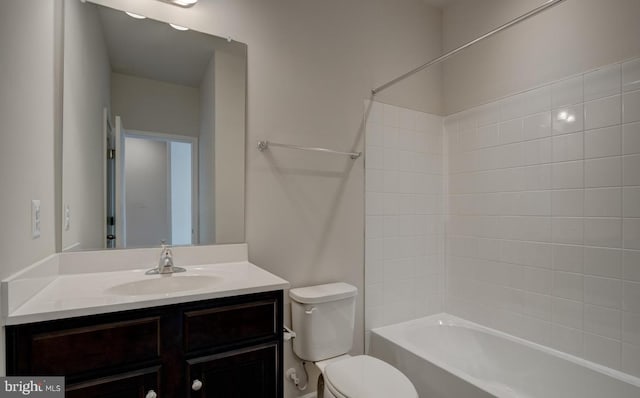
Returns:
<point x="367" y="377"/>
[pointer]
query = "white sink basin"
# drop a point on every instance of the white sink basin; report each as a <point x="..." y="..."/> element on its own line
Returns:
<point x="164" y="284"/>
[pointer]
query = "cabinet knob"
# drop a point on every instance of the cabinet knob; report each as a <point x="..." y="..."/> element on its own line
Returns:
<point x="151" y="394"/>
<point x="197" y="385"/>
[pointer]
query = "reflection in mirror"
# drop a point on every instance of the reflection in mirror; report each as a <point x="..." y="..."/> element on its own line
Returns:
<point x="153" y="133"/>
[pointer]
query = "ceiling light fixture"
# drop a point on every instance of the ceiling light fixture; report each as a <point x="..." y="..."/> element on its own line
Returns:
<point x="178" y="27"/>
<point x="136" y="16"/>
<point x="182" y="3"/>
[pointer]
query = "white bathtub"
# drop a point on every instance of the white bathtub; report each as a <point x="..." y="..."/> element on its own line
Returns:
<point x="448" y="357"/>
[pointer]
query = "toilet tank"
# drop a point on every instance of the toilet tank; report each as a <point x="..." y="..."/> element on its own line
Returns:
<point x="323" y="318"/>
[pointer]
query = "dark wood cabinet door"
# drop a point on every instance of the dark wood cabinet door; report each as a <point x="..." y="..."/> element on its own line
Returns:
<point x="127" y="385"/>
<point x="243" y="373"/>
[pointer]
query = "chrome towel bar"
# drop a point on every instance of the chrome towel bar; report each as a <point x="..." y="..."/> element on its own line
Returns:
<point x="264" y="145"/>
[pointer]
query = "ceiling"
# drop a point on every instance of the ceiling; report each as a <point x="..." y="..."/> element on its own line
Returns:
<point x="154" y="50"/>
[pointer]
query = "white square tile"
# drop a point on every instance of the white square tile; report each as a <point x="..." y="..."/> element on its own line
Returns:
<point x="631" y="265"/>
<point x="567" y="203"/>
<point x="602" y="321"/>
<point x="537" y="126"/>
<point x="631" y="107"/>
<point x="538" y="151"/>
<point x="600" y="261"/>
<point x="511" y="131"/>
<point x="567" y="92"/>
<point x="631" y="297"/>
<point x="537" y="305"/>
<point x="374" y="250"/>
<point x="374" y="180"/>
<point x="603" y="112"/>
<point x="603" y="172"/>
<point x="373" y="271"/>
<point x="567" y="312"/>
<point x="389" y="204"/>
<point x="631" y="233"/>
<point x="374" y="227"/>
<point x="567" y="285"/>
<point x="568" y="258"/>
<point x="605" y="292"/>
<point x="467" y="120"/>
<point x="512" y="155"/>
<point x="536" y="177"/>
<point x="631" y="169"/>
<point x="603" y="142"/>
<point x="390" y="226"/>
<point x="566" y="339"/>
<point x="375" y="134"/>
<point x="568" y="119"/>
<point x="603" y="232"/>
<point x="631" y="75"/>
<point x="374" y="157"/>
<point x="373" y="295"/>
<point x="390" y="115"/>
<point x="390" y="137"/>
<point x="602" y="350"/>
<point x="631" y="202"/>
<point x="631" y="359"/>
<point x="538" y="280"/>
<point x="527" y="103"/>
<point x="567" y="175"/>
<point x="603" y="82"/>
<point x="631" y="328"/>
<point x="373" y="203"/>
<point x="568" y="147"/>
<point x="603" y="202"/>
<point x="567" y="230"/>
<point x="631" y="138"/>
<point x="407" y="118"/>
<point x="488" y="114"/>
<point x="488" y="136"/>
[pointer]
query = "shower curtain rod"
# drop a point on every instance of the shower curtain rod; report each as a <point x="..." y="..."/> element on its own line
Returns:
<point x="443" y="57"/>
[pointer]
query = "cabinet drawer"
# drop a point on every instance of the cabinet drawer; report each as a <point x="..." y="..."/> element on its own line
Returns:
<point x="72" y="351"/>
<point x="135" y="384"/>
<point x="229" y="324"/>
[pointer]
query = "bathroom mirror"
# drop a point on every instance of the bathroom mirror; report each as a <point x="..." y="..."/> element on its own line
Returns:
<point x="153" y="132"/>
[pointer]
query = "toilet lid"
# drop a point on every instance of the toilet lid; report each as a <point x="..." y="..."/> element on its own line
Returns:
<point x="368" y="377"/>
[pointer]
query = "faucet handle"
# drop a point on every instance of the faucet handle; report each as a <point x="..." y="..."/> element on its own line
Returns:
<point x="164" y="246"/>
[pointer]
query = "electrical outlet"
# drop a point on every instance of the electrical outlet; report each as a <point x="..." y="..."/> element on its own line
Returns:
<point x="35" y="219"/>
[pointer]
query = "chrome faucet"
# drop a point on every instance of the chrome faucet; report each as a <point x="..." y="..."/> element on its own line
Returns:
<point x="165" y="264"/>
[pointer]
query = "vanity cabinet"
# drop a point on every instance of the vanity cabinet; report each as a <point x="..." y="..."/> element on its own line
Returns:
<point x="228" y="347"/>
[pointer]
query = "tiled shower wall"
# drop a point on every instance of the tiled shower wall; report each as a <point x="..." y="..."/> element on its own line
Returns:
<point x="404" y="259"/>
<point x="543" y="237"/>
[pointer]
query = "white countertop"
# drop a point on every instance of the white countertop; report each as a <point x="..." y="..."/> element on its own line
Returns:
<point x="80" y="294"/>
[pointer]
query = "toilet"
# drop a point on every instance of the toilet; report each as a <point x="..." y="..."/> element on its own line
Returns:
<point x="323" y="318"/>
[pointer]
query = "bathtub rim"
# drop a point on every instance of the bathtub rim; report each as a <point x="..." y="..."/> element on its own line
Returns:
<point x="452" y="320"/>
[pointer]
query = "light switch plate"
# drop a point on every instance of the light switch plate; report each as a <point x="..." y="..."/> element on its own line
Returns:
<point x="35" y="219"/>
<point x="67" y="218"/>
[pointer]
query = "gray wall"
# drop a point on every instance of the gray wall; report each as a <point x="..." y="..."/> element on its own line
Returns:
<point x="155" y="106"/>
<point x="28" y="121"/>
<point x="573" y="37"/>
<point x="87" y="93"/>
<point x="310" y="65"/>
